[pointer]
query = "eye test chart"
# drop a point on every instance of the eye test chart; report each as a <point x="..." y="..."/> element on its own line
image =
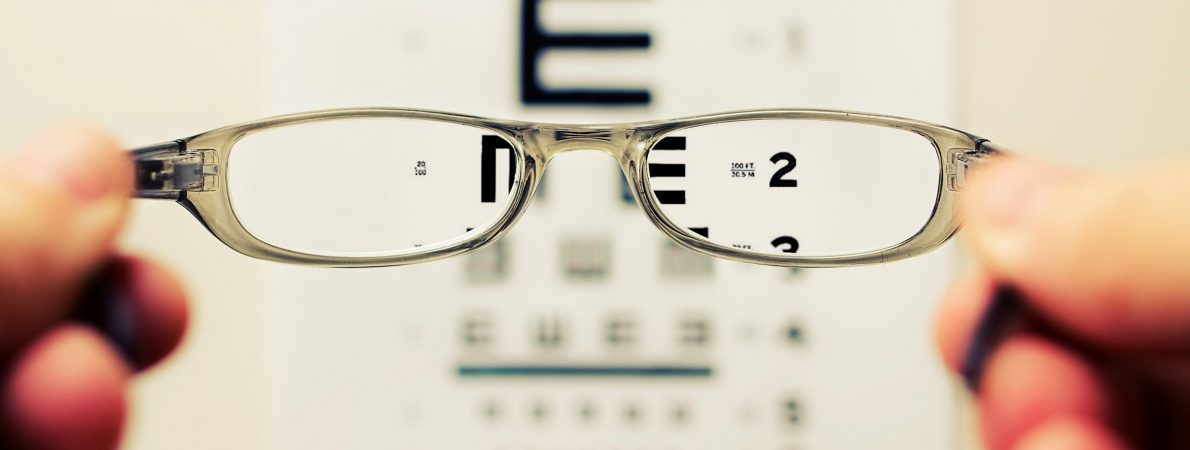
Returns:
<point x="585" y="327"/>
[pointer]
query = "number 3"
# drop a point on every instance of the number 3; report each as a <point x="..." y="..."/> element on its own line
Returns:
<point x="790" y="163"/>
<point x="789" y="241"/>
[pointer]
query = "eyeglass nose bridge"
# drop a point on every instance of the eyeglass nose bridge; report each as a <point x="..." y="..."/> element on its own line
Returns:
<point x="617" y="142"/>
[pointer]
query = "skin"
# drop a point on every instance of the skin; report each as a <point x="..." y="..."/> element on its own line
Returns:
<point x="1100" y="258"/>
<point x="63" y="198"/>
<point x="1102" y="262"/>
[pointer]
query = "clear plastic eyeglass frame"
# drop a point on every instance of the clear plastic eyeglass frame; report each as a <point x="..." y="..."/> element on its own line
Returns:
<point x="192" y="171"/>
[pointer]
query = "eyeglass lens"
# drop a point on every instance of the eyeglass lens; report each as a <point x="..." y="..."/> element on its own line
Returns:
<point x="777" y="186"/>
<point x="810" y="187"/>
<point x="370" y="186"/>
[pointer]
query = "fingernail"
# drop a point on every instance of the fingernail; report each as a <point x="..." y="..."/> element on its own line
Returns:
<point x="1004" y="202"/>
<point x="1004" y="315"/>
<point x="107" y="306"/>
<point x="66" y="159"/>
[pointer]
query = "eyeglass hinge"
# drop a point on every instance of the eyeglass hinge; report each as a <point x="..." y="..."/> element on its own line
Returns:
<point x="168" y="169"/>
<point x="964" y="160"/>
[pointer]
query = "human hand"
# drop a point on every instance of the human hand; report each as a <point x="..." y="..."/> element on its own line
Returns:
<point x="1101" y="265"/>
<point x="62" y="383"/>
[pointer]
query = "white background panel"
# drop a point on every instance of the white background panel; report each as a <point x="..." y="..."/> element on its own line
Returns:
<point x="370" y="358"/>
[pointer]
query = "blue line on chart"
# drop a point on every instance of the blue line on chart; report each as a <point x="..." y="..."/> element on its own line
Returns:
<point x="570" y="371"/>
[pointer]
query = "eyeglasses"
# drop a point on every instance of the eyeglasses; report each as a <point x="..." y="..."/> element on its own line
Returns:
<point x="383" y="186"/>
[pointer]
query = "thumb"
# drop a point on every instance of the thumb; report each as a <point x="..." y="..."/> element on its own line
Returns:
<point x="1104" y="256"/>
<point x="62" y="199"/>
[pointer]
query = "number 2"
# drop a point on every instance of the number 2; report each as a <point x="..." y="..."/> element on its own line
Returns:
<point x="790" y="163"/>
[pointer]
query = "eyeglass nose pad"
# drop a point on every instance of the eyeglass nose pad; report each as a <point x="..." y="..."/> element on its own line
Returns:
<point x="631" y="186"/>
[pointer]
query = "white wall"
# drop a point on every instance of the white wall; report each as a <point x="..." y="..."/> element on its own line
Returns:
<point x="153" y="71"/>
<point x="1099" y="83"/>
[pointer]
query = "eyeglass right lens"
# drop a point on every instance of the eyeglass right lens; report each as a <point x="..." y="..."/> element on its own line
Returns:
<point x="370" y="186"/>
<point x="781" y="186"/>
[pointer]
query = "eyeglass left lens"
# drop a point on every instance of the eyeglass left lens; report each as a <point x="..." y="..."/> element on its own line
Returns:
<point x="370" y="186"/>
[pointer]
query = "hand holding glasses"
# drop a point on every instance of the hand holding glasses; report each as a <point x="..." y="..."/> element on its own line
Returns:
<point x="382" y="186"/>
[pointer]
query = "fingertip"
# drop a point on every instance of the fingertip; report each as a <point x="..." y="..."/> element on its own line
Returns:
<point x="961" y="308"/>
<point x="65" y="391"/>
<point x="1030" y="380"/>
<point x="1071" y="432"/>
<point x="81" y="159"/>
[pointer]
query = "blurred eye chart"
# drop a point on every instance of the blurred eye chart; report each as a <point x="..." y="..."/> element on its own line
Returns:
<point x="585" y="327"/>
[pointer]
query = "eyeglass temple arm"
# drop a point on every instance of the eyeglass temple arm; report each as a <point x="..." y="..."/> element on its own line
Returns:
<point x="168" y="170"/>
<point x="987" y="149"/>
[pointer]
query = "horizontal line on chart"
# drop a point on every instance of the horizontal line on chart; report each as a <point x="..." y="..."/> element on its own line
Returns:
<point x="671" y="197"/>
<point x="584" y="371"/>
<point x="667" y="170"/>
<point x="671" y="143"/>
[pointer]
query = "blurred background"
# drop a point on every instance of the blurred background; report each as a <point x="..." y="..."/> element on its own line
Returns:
<point x="284" y="357"/>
